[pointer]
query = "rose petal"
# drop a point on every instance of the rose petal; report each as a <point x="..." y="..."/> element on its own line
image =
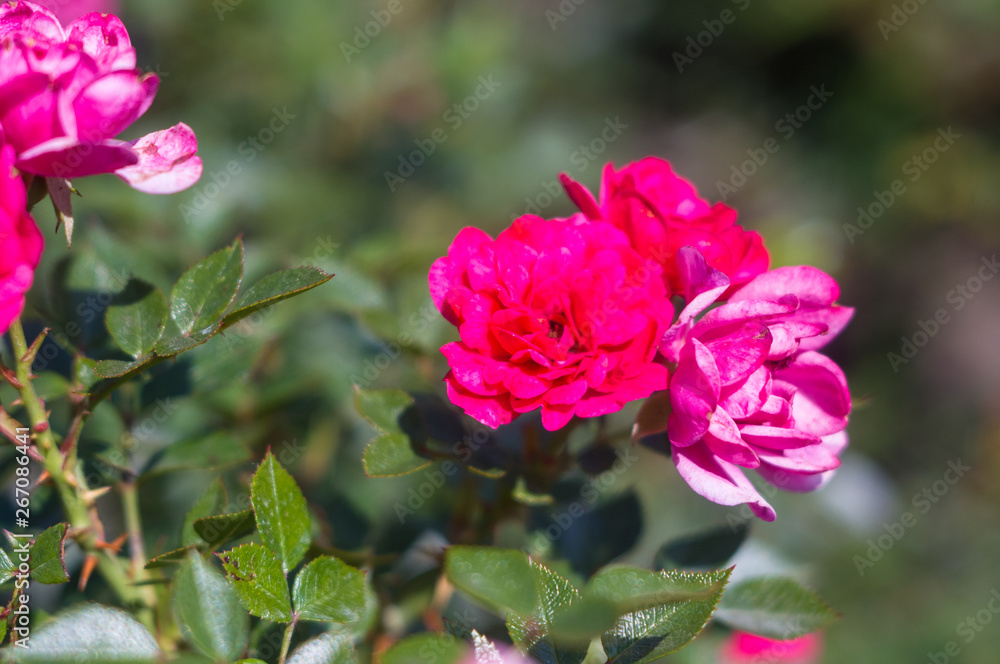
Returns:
<point x="167" y="162"/>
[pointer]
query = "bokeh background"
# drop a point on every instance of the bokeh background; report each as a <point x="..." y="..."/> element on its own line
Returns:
<point x="568" y="86"/>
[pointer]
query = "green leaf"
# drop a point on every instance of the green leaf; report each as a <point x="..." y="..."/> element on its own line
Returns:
<point x="258" y="579"/>
<point x="136" y="318"/>
<point x="214" y="452"/>
<point x="90" y="633"/>
<point x="659" y="611"/>
<point x="329" y="590"/>
<point x="251" y="661"/>
<point x="274" y="288"/>
<point x="711" y="548"/>
<point x="427" y="647"/>
<point x="390" y="453"/>
<point x="7" y="567"/>
<point x="169" y="558"/>
<point x="534" y="633"/>
<point x="48" y="555"/>
<point x="282" y="515"/>
<point x="223" y="528"/>
<point x="502" y="579"/>
<point x="213" y="501"/>
<point x="329" y="648"/>
<point x="209" y="611"/>
<point x="774" y="607"/>
<point x="170" y="346"/>
<point x="205" y="291"/>
<point x="116" y="368"/>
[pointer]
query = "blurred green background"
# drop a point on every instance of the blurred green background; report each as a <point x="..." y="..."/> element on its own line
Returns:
<point x="334" y="110"/>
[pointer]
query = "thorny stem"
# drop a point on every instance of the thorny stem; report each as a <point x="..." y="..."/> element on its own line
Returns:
<point x="84" y="526"/>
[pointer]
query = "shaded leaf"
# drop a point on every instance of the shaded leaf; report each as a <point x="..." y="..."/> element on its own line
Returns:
<point x="502" y="579"/>
<point x="90" y="633"/>
<point x="213" y="501"/>
<point x="258" y="579"/>
<point x="534" y="634"/>
<point x="48" y="555"/>
<point x="208" y="610"/>
<point x="774" y="607"/>
<point x="223" y="528"/>
<point x="274" y="288"/>
<point x="117" y="368"/>
<point x="136" y="318"/>
<point x="329" y="590"/>
<point x="170" y="346"/>
<point x="329" y="648"/>
<point x="427" y="647"/>
<point x="390" y="454"/>
<point x="711" y="548"/>
<point x="282" y="515"/>
<point x="216" y="451"/>
<point x="169" y="558"/>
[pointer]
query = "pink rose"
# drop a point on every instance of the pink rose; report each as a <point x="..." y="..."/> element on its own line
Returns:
<point x="20" y="242"/>
<point x="744" y="648"/>
<point x="562" y="316"/>
<point x="748" y="389"/>
<point x="65" y="93"/>
<point x="661" y="212"/>
<point x="69" y="10"/>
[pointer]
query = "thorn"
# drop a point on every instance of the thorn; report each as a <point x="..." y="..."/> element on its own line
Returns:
<point x="43" y="478"/>
<point x="89" y="563"/>
<point x="115" y="545"/>
<point x="90" y="496"/>
<point x="9" y="376"/>
<point x="29" y="357"/>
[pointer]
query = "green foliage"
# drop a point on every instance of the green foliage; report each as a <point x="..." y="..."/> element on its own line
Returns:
<point x="136" y="318"/>
<point x="282" y="515"/>
<point x="775" y="607"/>
<point x="255" y="572"/>
<point x="328" y="648"/>
<point x="48" y="555"/>
<point x="437" y="648"/>
<point x="329" y="590"/>
<point x="224" y="528"/>
<point x="274" y="288"/>
<point x="203" y="293"/>
<point x="390" y="454"/>
<point x="90" y="633"/>
<point x="710" y="548"/>
<point x="209" y="611"/>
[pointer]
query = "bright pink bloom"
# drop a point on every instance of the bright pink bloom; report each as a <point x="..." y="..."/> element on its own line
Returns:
<point x="661" y="212"/>
<point x="562" y="316"/>
<point x="69" y="10"/>
<point x="748" y="389"/>
<point x="744" y="648"/>
<point x="20" y="242"/>
<point x="65" y="93"/>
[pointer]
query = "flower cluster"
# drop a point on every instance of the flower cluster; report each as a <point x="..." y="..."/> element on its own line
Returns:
<point x="65" y="93"/>
<point x="573" y="317"/>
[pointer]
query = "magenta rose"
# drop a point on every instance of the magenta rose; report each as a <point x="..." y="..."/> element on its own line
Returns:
<point x="65" y="93"/>
<point x="744" y="648"/>
<point x="749" y="389"/>
<point x="561" y="316"/>
<point x="661" y="212"/>
<point x="20" y="242"/>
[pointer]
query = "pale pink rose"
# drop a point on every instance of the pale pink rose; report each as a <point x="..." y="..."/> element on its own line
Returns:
<point x="66" y="93"/>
